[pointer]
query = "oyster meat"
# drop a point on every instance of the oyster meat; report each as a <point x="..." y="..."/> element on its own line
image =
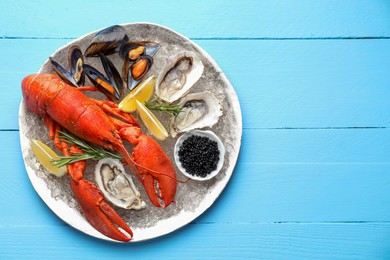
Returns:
<point x="198" y="110"/>
<point x="116" y="185"/>
<point x="178" y="76"/>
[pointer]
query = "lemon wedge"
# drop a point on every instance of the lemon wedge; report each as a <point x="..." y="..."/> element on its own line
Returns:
<point x="143" y="92"/>
<point x="45" y="156"/>
<point x="151" y="122"/>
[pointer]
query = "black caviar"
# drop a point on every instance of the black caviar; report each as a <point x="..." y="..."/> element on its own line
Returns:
<point x="199" y="155"/>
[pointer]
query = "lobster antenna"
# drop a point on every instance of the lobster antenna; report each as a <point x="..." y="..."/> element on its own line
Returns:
<point x="125" y="154"/>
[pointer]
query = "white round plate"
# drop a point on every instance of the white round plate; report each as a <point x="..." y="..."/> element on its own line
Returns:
<point x="192" y="198"/>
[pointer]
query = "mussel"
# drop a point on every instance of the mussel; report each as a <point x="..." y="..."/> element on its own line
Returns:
<point x="76" y="62"/>
<point x="105" y="83"/>
<point x="134" y="50"/>
<point x="110" y="83"/>
<point x="133" y="73"/>
<point x="75" y="76"/>
<point x="138" y="59"/>
<point x="107" y="41"/>
<point x="113" y="75"/>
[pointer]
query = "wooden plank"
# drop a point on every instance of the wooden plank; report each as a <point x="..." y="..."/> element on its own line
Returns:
<point x="266" y="185"/>
<point x="304" y="193"/>
<point x="357" y="146"/>
<point x="291" y="84"/>
<point x="17" y="192"/>
<point x="285" y="84"/>
<point x="314" y="146"/>
<point x="23" y="58"/>
<point x="312" y="179"/>
<point x="205" y="241"/>
<point x="201" y="19"/>
<point x="27" y="56"/>
<point x="308" y="146"/>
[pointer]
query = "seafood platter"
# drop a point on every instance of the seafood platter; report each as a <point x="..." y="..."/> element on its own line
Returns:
<point x="130" y="132"/>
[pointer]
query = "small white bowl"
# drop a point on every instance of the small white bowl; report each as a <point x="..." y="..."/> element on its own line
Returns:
<point x="205" y="133"/>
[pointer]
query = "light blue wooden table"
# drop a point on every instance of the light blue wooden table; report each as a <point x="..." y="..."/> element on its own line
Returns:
<point x="313" y="176"/>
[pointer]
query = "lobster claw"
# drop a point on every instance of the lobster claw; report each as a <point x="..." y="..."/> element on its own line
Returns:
<point x="157" y="172"/>
<point x="154" y="169"/>
<point x="101" y="215"/>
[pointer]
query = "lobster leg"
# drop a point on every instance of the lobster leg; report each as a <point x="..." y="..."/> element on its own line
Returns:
<point x="155" y="169"/>
<point x="76" y="170"/>
<point x="101" y="215"/>
<point x="112" y="108"/>
<point x="109" y="106"/>
<point x="64" y="107"/>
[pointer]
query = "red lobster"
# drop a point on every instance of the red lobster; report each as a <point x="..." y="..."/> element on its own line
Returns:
<point x="63" y="106"/>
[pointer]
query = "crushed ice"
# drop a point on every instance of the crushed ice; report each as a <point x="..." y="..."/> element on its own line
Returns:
<point x="190" y="194"/>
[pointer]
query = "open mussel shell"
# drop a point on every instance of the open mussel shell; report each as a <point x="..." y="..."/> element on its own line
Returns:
<point x="64" y="74"/>
<point x="139" y="68"/>
<point x="75" y="76"/>
<point x="107" y="41"/>
<point x="135" y="72"/>
<point x="99" y="80"/>
<point x="134" y="50"/>
<point x="76" y="63"/>
<point x="113" y="75"/>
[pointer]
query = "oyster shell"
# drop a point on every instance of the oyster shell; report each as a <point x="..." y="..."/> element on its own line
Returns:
<point x="198" y="110"/>
<point x="178" y="76"/>
<point x="116" y="185"/>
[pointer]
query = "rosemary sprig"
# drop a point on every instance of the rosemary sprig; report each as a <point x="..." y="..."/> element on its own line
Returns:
<point x="156" y="104"/>
<point x="89" y="151"/>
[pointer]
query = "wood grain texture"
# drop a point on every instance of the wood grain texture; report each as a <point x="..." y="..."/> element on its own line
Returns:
<point x="286" y="84"/>
<point x="201" y="241"/>
<point x="201" y="19"/>
<point x="308" y="186"/>
<point x="312" y="180"/>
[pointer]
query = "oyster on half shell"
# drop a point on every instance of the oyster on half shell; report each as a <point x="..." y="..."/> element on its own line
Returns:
<point x="116" y="185"/>
<point x="198" y="110"/>
<point x="178" y="76"/>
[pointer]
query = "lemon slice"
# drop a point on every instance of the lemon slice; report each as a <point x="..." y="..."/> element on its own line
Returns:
<point x="151" y="122"/>
<point x="45" y="156"/>
<point x="142" y="92"/>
